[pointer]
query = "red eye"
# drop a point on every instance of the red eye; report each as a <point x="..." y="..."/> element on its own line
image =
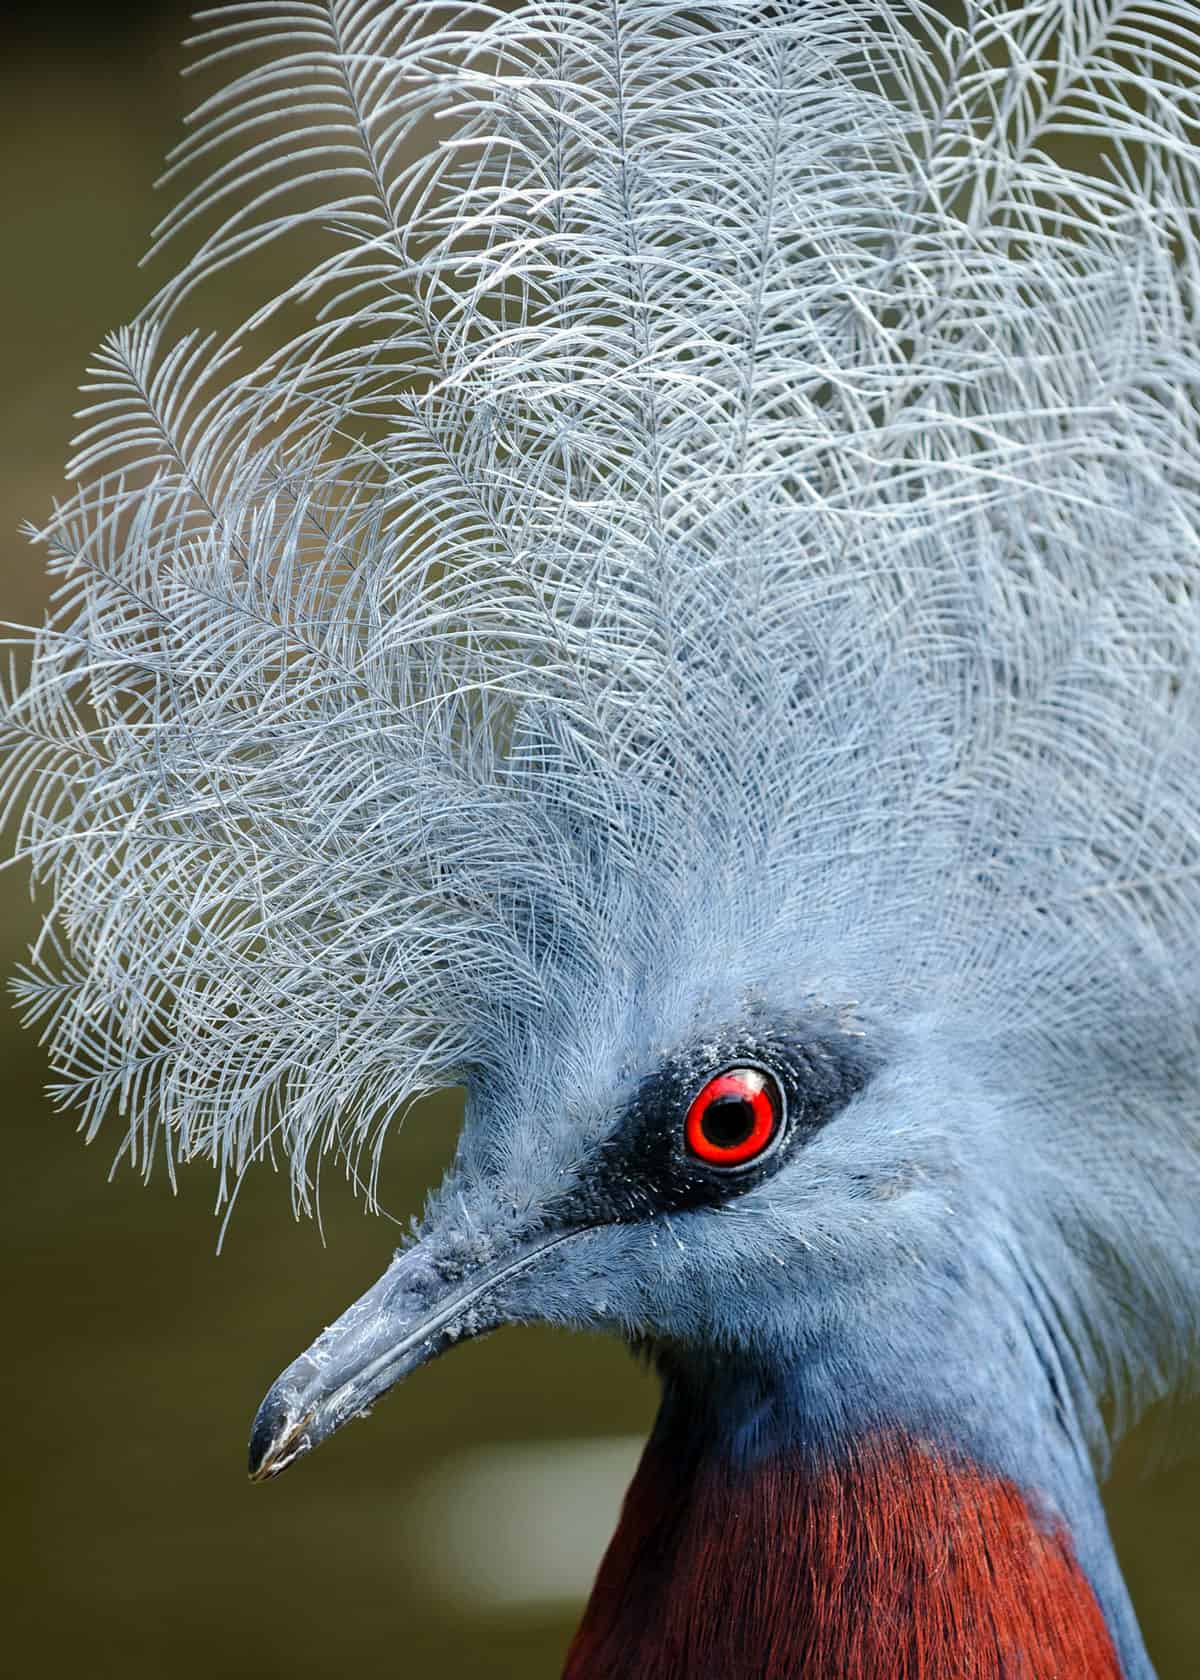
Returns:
<point x="734" y="1117"/>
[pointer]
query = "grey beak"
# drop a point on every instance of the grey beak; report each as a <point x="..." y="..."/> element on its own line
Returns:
<point x="420" y="1305"/>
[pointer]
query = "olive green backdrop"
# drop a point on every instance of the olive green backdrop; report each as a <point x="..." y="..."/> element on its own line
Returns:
<point x="134" y="1355"/>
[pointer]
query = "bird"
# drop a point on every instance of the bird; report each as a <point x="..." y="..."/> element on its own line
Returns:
<point x="677" y="618"/>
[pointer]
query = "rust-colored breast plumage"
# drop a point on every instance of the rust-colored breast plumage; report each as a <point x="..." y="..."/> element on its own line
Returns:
<point x="891" y="1565"/>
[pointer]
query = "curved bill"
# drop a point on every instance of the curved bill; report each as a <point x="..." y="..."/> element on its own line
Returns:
<point x="403" y="1321"/>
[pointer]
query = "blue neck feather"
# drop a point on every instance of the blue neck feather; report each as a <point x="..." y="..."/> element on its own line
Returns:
<point x="996" y="1395"/>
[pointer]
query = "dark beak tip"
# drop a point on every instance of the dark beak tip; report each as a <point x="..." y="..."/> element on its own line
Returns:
<point x="277" y="1438"/>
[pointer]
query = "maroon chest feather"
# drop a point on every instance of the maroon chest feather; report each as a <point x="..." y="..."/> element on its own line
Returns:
<point x="890" y="1565"/>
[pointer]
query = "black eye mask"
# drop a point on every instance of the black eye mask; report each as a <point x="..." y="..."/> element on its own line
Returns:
<point x="791" y="1079"/>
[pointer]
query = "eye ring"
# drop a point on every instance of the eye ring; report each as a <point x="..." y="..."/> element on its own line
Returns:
<point x="734" y="1118"/>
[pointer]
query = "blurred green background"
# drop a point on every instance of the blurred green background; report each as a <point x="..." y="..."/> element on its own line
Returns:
<point x="453" y="1534"/>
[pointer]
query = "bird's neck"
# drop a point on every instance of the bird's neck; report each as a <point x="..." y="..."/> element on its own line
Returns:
<point x="887" y="1557"/>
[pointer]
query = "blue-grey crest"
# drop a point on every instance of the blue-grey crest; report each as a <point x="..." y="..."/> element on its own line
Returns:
<point x="688" y="631"/>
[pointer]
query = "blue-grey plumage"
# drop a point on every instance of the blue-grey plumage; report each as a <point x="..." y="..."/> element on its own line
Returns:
<point x="711" y="581"/>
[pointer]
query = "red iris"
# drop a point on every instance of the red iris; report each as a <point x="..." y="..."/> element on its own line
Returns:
<point x="733" y="1117"/>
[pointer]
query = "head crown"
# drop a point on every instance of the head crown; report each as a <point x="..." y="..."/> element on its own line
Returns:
<point x="721" y="524"/>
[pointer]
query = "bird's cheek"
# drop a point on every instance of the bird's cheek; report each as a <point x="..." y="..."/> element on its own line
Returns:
<point x="614" y="1279"/>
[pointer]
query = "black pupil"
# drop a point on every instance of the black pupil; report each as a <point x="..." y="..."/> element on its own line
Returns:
<point x="728" y="1121"/>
